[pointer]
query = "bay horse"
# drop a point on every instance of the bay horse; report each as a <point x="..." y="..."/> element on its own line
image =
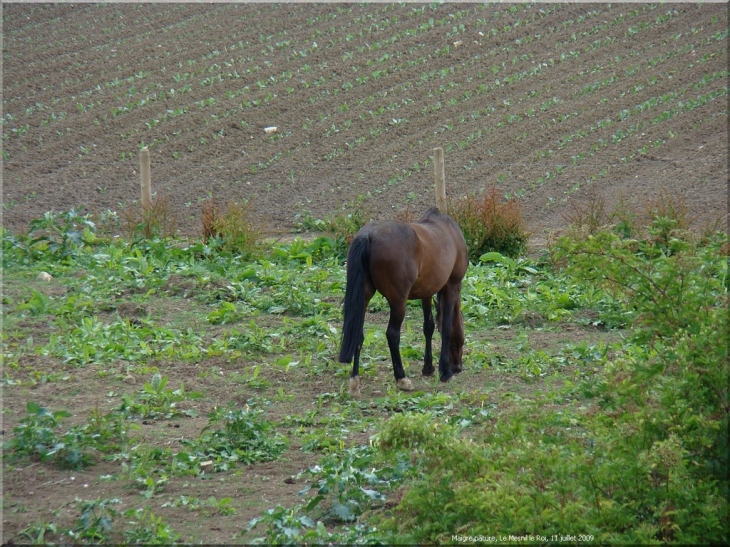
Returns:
<point x="407" y="261"/>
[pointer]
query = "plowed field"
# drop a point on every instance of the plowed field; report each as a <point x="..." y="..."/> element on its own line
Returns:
<point x="545" y="101"/>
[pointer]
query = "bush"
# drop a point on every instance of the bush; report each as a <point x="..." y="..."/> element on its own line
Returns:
<point x="55" y="236"/>
<point x="158" y="220"/>
<point x="234" y="229"/>
<point x="642" y="460"/>
<point x="490" y="223"/>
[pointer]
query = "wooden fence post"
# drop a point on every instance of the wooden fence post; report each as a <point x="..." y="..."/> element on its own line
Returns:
<point x="145" y="178"/>
<point x="438" y="164"/>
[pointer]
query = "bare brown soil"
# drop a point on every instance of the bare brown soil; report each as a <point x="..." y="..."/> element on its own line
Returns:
<point x="360" y="96"/>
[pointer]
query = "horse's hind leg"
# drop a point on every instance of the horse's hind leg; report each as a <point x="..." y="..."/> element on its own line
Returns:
<point x="428" y="329"/>
<point x="354" y="386"/>
<point x="392" y="333"/>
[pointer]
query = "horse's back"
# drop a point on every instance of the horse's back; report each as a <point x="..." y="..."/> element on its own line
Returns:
<point x="443" y="241"/>
<point x="416" y="259"/>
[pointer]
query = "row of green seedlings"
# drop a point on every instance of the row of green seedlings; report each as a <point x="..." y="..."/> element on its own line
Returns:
<point x="531" y="112"/>
<point x="619" y="135"/>
<point x="162" y="95"/>
<point x="178" y="111"/>
<point x="138" y="103"/>
<point x="261" y="84"/>
<point x="467" y="95"/>
<point x="639" y="108"/>
<point x="424" y="60"/>
<point x="268" y="163"/>
<point x="120" y="44"/>
<point x="474" y="136"/>
<point x="393" y="69"/>
<point x="116" y="81"/>
<point x="362" y="138"/>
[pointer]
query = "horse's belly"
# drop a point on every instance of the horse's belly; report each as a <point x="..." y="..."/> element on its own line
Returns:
<point x="421" y="290"/>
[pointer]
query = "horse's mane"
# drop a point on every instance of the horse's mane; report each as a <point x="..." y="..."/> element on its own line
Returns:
<point x="432" y="212"/>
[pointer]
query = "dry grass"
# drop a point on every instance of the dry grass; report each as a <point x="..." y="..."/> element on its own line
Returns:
<point x="659" y="218"/>
<point x="157" y="220"/>
<point x="490" y="223"/>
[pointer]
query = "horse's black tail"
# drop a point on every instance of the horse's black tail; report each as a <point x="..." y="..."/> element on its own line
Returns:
<point x="358" y="267"/>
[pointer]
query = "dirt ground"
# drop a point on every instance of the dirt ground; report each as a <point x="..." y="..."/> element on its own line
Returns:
<point x="346" y="137"/>
<point x="621" y="101"/>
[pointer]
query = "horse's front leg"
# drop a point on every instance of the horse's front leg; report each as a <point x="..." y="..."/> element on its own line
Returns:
<point x="428" y="329"/>
<point x="392" y="333"/>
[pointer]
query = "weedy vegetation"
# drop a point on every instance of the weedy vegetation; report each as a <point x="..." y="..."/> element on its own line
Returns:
<point x="593" y="398"/>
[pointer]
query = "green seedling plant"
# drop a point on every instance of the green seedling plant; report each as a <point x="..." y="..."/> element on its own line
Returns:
<point x="36" y="437"/>
<point x="156" y="400"/>
<point x="149" y="468"/>
<point x="35" y="534"/>
<point x="244" y="437"/>
<point x="350" y="482"/>
<point x="95" y="523"/>
<point x="148" y="529"/>
<point x="37" y="304"/>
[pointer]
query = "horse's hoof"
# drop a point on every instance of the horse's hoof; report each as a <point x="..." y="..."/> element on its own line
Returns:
<point x="404" y="384"/>
<point x="355" y="387"/>
<point x="446" y="378"/>
<point x="457" y="370"/>
<point x="428" y="372"/>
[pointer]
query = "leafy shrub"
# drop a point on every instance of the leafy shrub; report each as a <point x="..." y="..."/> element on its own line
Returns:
<point x="589" y="214"/>
<point x="541" y="472"/>
<point x="55" y="236"/>
<point x="490" y="223"/>
<point x="658" y="218"/>
<point x="678" y="293"/>
<point x="644" y="458"/>
<point x="343" y="227"/>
